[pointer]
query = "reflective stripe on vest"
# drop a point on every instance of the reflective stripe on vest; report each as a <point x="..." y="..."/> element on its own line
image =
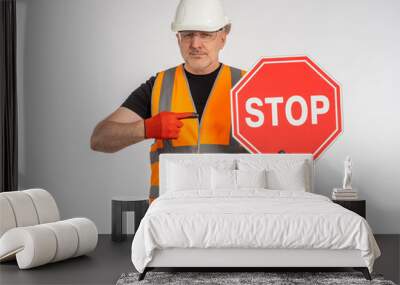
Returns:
<point x="171" y="93"/>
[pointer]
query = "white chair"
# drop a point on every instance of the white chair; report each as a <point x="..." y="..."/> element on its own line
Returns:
<point x="32" y="233"/>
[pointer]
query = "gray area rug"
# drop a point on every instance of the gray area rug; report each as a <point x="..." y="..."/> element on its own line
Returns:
<point x="273" y="278"/>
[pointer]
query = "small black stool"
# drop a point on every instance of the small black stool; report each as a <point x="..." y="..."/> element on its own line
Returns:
<point x="121" y="204"/>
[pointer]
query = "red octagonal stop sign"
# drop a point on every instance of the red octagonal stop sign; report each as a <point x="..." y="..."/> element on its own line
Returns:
<point x="286" y="104"/>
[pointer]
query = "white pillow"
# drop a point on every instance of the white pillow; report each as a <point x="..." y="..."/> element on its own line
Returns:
<point x="181" y="177"/>
<point x="281" y="174"/>
<point x="223" y="179"/>
<point x="251" y="178"/>
<point x="229" y="179"/>
<point x="288" y="178"/>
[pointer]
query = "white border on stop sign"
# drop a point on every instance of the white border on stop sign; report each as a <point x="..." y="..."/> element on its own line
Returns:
<point x="327" y="73"/>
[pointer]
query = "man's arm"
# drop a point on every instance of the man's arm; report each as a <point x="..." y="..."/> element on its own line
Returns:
<point x="119" y="130"/>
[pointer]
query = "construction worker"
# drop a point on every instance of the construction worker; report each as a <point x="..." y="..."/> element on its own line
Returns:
<point x="165" y="108"/>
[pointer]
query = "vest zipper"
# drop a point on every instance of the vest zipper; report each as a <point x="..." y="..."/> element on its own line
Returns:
<point x="205" y="107"/>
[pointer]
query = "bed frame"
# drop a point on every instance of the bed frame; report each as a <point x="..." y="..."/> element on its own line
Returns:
<point x="242" y="259"/>
<point x="248" y="259"/>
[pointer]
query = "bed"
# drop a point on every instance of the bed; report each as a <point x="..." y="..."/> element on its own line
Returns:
<point x="248" y="210"/>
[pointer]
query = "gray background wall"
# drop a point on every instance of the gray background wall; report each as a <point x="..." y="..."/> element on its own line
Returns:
<point x="78" y="61"/>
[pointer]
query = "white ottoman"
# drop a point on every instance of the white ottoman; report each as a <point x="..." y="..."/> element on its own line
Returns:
<point x="31" y="232"/>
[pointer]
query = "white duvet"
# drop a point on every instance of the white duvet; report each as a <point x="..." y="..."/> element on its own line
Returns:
<point x="251" y="218"/>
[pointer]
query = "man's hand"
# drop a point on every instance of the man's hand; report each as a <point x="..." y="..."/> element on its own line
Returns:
<point x="166" y="125"/>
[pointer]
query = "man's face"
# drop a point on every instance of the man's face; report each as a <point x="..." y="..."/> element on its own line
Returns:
<point x="200" y="50"/>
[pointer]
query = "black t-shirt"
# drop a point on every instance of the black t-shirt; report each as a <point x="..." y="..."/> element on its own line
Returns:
<point x="139" y="101"/>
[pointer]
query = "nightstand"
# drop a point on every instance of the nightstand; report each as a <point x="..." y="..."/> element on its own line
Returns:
<point x="123" y="204"/>
<point x="357" y="206"/>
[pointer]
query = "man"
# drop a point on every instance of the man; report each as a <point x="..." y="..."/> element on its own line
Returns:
<point x="165" y="108"/>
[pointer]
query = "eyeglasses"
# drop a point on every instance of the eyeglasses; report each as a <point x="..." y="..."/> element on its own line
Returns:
<point x="187" y="36"/>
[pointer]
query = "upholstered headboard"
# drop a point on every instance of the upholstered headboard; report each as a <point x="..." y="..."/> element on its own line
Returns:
<point x="269" y="160"/>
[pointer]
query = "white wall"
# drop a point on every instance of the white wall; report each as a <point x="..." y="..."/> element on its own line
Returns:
<point x="78" y="61"/>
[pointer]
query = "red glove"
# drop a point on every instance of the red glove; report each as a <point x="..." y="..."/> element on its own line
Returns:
<point x="165" y="125"/>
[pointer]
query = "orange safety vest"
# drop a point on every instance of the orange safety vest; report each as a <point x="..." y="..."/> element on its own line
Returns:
<point x="171" y="93"/>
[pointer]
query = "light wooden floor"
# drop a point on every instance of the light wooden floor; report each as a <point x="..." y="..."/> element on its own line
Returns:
<point x="111" y="259"/>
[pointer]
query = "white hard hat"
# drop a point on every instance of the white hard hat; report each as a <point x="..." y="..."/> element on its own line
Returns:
<point x="199" y="15"/>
